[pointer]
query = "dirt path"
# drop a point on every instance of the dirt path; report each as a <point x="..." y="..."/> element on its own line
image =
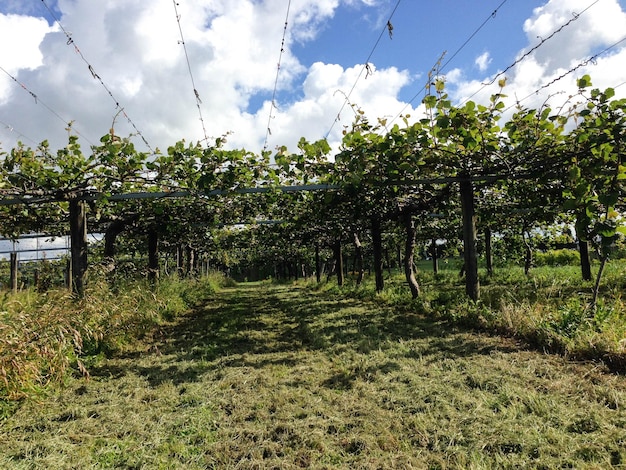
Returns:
<point x="276" y="377"/>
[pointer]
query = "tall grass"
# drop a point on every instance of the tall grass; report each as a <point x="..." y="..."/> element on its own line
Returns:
<point x="549" y="308"/>
<point x="45" y="336"/>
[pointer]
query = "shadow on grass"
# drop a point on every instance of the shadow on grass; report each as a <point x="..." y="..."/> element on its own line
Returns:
<point x="259" y="325"/>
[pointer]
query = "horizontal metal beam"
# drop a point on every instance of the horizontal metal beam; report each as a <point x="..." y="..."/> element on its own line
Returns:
<point x="174" y="194"/>
<point x="33" y="250"/>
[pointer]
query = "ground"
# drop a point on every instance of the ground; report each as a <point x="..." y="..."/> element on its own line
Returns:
<point x="270" y="376"/>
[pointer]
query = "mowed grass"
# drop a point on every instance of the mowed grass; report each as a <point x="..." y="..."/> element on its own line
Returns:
<point x="270" y="376"/>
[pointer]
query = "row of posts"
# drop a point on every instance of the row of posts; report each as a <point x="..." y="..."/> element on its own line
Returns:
<point x="14" y="273"/>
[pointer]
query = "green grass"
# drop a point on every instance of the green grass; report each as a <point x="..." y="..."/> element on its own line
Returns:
<point x="267" y="376"/>
<point x="548" y="309"/>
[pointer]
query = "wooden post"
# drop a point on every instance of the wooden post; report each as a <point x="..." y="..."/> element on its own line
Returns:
<point x="435" y="255"/>
<point x="358" y="258"/>
<point x="14" y="272"/>
<point x="472" y="287"/>
<point x="318" y="264"/>
<point x="488" y="251"/>
<point x="377" y="245"/>
<point x="78" y="237"/>
<point x="339" y="262"/>
<point x="409" y="255"/>
<point x="68" y="273"/>
<point x="180" y="261"/>
<point x="153" y="256"/>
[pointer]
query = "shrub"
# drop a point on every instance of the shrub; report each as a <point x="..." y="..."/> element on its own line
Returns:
<point x="562" y="257"/>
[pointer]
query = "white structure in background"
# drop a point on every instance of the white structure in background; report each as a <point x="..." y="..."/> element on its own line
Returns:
<point x="35" y="247"/>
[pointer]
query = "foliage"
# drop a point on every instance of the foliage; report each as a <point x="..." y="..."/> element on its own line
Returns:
<point x="541" y="169"/>
<point x="558" y="258"/>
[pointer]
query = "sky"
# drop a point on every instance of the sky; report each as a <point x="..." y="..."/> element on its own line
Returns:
<point x="268" y="72"/>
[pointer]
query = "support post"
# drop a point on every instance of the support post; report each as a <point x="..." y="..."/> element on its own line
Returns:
<point x="472" y="287"/>
<point x="153" y="256"/>
<point x="14" y="272"/>
<point x="377" y="245"/>
<point x="78" y="237"/>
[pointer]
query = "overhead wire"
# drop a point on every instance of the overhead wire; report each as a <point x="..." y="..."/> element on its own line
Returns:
<point x="591" y="60"/>
<point x="517" y="61"/>
<point x="10" y="128"/>
<point x="273" y="106"/>
<point x="388" y="28"/>
<point x="193" y="84"/>
<point x="38" y="100"/>
<point x="425" y="87"/>
<point x="70" y="41"/>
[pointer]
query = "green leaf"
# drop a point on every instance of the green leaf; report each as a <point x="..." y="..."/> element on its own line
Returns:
<point x="584" y="82"/>
<point x="570" y="205"/>
<point x="574" y="173"/>
<point x="608" y="200"/>
<point x="430" y="101"/>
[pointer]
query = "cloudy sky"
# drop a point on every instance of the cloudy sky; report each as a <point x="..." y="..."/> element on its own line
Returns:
<point x="126" y="66"/>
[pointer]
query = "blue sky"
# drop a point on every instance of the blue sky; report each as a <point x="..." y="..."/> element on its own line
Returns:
<point x="420" y="36"/>
<point x="233" y="48"/>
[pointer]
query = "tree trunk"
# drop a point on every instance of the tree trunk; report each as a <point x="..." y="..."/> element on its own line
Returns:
<point x="180" y="261"/>
<point x="78" y="239"/>
<point x="528" y="258"/>
<point x="113" y="230"/>
<point x="332" y="266"/>
<point x="409" y="254"/>
<point x="434" y="254"/>
<point x="110" y="238"/>
<point x="399" y="255"/>
<point x="488" y="252"/>
<point x="318" y="264"/>
<point x="388" y="261"/>
<point x="14" y="272"/>
<point x="189" y="261"/>
<point x="153" y="256"/>
<point x="596" y="288"/>
<point x="68" y="274"/>
<point x="358" y="257"/>
<point x="339" y="262"/>
<point x="585" y="263"/>
<point x="472" y="287"/>
<point x="377" y="246"/>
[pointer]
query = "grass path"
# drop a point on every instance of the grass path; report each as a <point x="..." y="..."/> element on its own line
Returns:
<point x="277" y="377"/>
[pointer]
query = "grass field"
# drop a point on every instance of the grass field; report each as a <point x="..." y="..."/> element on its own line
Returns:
<point x="270" y="376"/>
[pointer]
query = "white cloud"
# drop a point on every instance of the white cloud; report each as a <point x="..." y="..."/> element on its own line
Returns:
<point x="600" y="24"/>
<point x="233" y="48"/>
<point x="326" y="91"/>
<point x="547" y="75"/>
<point x="20" y="37"/>
<point x="454" y="76"/>
<point x="134" y="48"/>
<point x="483" y="61"/>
